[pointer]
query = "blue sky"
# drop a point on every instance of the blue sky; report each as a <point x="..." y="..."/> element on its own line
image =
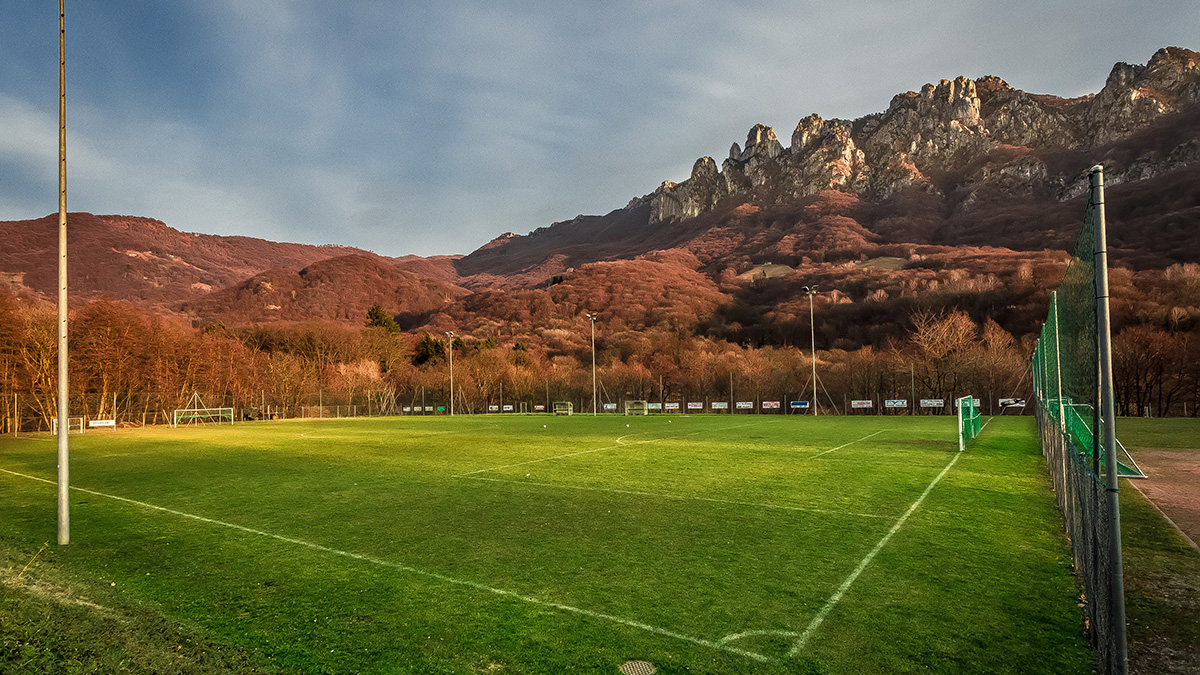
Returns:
<point x="430" y="128"/>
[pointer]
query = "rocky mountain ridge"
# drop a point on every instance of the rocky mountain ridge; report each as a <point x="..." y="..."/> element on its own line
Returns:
<point x="934" y="166"/>
<point x="939" y="129"/>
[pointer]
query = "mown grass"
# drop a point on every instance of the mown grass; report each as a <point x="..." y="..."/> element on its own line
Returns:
<point x="1170" y="433"/>
<point x="443" y="545"/>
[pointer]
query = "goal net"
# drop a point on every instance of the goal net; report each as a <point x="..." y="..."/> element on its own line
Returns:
<point x="637" y="408"/>
<point x="564" y="408"/>
<point x="188" y="416"/>
<point x="969" y="421"/>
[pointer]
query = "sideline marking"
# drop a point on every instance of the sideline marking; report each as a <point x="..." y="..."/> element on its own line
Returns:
<point x="432" y="575"/>
<point x="850" y="443"/>
<point x="837" y="596"/>
<point x="679" y="497"/>
<point x="618" y="444"/>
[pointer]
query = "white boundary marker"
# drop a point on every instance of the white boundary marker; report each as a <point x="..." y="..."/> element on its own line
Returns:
<point x="662" y="495"/>
<point x="841" y="591"/>
<point x="618" y="444"/>
<point x="719" y="644"/>
<point x="826" y="452"/>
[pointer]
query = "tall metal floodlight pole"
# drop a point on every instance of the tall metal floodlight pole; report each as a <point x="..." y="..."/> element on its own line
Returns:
<point x="1103" y="328"/>
<point x="64" y="424"/>
<point x="592" y="316"/>
<point x="450" y="351"/>
<point x="812" y="333"/>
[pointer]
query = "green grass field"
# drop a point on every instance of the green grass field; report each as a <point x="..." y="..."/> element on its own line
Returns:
<point x="703" y="544"/>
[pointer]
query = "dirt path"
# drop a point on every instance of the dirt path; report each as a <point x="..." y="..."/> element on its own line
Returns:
<point x="1173" y="485"/>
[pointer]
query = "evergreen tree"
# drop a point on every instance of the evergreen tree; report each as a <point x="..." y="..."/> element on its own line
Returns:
<point x="428" y="349"/>
<point x="377" y="316"/>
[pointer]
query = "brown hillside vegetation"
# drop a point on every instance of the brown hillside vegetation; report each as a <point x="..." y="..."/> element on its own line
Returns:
<point x="340" y="289"/>
<point x="141" y="259"/>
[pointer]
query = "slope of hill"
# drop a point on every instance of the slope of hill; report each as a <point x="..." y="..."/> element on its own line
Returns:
<point x="340" y="288"/>
<point x="142" y="259"/>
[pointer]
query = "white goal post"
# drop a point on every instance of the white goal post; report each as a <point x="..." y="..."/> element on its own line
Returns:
<point x="637" y="408"/>
<point x="564" y="408"/>
<point x="74" y="425"/>
<point x="201" y="416"/>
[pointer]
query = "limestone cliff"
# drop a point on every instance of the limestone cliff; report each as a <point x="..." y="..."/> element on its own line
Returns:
<point x="983" y="129"/>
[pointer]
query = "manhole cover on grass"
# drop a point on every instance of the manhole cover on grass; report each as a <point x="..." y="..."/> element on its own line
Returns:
<point x="638" y="668"/>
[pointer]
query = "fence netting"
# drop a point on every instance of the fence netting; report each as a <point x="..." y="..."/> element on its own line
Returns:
<point x="1065" y="368"/>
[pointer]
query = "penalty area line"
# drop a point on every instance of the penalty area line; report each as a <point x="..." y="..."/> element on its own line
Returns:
<point x="718" y="645"/>
<point x="859" y="440"/>
<point x="618" y="444"/>
<point x="663" y="495"/>
<point x="841" y="591"/>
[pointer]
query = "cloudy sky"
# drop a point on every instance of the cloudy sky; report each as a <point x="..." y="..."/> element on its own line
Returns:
<point x="428" y="128"/>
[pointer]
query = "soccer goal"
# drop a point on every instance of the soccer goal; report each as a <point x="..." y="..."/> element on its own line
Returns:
<point x="74" y="425"/>
<point x="637" y="408"/>
<point x="564" y="408"/>
<point x="195" y="412"/>
<point x="188" y="416"/>
<point x="969" y="420"/>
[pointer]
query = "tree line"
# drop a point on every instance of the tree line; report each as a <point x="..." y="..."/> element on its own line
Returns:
<point x="129" y="365"/>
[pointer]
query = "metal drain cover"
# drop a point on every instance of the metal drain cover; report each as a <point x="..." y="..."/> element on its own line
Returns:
<point x="638" y="668"/>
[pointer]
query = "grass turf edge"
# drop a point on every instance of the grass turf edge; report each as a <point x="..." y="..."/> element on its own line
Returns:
<point x="50" y="623"/>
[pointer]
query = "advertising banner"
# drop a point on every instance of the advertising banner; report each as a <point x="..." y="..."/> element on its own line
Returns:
<point x="862" y="404"/>
<point x="745" y="405"/>
<point x="896" y="403"/>
<point x="799" y="405"/>
<point x="672" y="406"/>
<point x="539" y="407"/>
<point x="610" y="407"/>
<point x="508" y="407"/>
<point x="1012" y="403"/>
<point x="695" y="405"/>
<point x="770" y="405"/>
<point x="720" y="405"/>
<point x="654" y="406"/>
<point x="933" y="403"/>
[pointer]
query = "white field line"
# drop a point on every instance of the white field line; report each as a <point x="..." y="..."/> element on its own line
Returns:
<point x="618" y="444"/>
<point x="432" y="575"/>
<point x="734" y="637"/>
<point x="1162" y="513"/>
<point x="848" y="444"/>
<point x="841" y="591"/>
<point x="663" y="495"/>
<point x="360" y="434"/>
